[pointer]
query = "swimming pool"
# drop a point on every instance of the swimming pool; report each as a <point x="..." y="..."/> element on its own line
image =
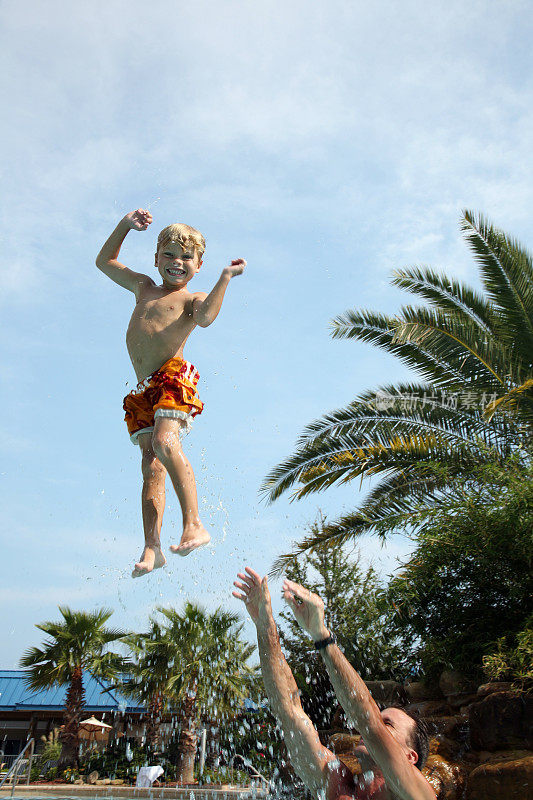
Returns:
<point x="68" y="792"/>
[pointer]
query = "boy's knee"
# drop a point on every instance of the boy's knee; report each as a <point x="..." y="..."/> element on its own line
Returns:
<point x="152" y="468"/>
<point x="165" y="443"/>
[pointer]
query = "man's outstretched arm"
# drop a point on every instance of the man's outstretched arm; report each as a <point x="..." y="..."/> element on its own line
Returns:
<point x="307" y="754"/>
<point x="401" y="776"/>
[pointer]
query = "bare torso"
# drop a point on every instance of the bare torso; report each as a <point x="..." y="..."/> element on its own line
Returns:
<point x="344" y="785"/>
<point x="160" y="325"/>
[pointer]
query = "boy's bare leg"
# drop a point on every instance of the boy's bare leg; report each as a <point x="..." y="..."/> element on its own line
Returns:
<point x="153" y="505"/>
<point x="167" y="446"/>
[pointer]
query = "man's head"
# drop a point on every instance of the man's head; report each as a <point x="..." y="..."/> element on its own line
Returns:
<point x="418" y="739"/>
<point x="179" y="254"/>
<point x="409" y="731"/>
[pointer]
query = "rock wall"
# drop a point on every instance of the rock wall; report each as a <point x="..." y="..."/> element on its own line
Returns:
<point x="481" y="745"/>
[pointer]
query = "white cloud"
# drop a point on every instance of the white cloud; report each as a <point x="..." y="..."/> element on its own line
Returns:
<point x="362" y="111"/>
<point x="337" y="141"/>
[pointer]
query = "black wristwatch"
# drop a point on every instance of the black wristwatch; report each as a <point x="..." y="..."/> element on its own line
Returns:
<point x="332" y="639"/>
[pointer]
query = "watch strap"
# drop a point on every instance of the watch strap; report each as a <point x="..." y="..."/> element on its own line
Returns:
<point x="320" y="645"/>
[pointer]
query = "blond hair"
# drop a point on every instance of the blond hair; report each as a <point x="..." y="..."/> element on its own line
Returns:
<point x="183" y="234"/>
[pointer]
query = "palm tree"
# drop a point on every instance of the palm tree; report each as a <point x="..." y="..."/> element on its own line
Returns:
<point x="78" y="643"/>
<point x="149" y="678"/>
<point x="209" y="671"/>
<point x="229" y="687"/>
<point x="426" y="441"/>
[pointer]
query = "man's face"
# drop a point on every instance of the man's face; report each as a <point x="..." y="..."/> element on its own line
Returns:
<point x="177" y="264"/>
<point x="400" y="725"/>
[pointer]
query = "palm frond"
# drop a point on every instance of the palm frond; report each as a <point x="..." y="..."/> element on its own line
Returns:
<point x="405" y="408"/>
<point x="80" y="640"/>
<point x="478" y="356"/>
<point x="379" y="330"/>
<point x="423" y="453"/>
<point x="365" y="439"/>
<point x="401" y="505"/>
<point x="514" y="400"/>
<point x="447" y="295"/>
<point x="507" y="273"/>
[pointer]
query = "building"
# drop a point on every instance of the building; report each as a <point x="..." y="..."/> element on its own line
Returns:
<point x="25" y="714"/>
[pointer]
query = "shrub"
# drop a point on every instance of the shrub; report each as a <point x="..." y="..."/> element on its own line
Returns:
<point x="113" y="762"/>
<point x="469" y="582"/>
<point x="513" y="661"/>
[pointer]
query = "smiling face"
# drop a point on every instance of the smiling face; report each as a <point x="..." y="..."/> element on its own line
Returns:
<point x="400" y="725"/>
<point x="177" y="263"/>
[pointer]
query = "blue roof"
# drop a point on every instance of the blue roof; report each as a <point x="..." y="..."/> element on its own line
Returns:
<point x="15" y="695"/>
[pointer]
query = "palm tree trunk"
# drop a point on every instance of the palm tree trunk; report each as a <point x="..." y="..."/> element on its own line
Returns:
<point x="153" y="733"/>
<point x="212" y="756"/>
<point x="188" y="741"/>
<point x="72" y="716"/>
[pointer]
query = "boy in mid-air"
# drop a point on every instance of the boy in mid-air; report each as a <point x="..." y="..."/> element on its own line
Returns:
<point x="165" y="400"/>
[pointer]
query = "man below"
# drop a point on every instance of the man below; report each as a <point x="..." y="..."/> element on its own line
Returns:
<point x="393" y="748"/>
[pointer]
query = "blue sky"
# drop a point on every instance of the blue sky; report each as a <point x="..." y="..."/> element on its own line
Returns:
<point x="326" y="143"/>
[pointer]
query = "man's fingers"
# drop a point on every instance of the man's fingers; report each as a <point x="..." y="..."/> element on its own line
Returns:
<point x="254" y="576"/>
<point x="289" y="595"/>
<point x="242" y="597"/>
<point x="291" y="584"/>
<point x="291" y="598"/>
<point x="296" y="589"/>
<point x="247" y="580"/>
<point x="242" y="586"/>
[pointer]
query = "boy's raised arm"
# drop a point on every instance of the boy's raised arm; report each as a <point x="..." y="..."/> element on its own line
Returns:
<point x="205" y="308"/>
<point x="106" y="260"/>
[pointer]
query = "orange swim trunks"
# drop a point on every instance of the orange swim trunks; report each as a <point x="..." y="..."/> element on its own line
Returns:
<point x="169" y="392"/>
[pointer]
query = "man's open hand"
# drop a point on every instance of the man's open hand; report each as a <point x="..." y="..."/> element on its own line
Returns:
<point x="308" y="609"/>
<point x="254" y="594"/>
<point x="138" y="220"/>
<point x="235" y="268"/>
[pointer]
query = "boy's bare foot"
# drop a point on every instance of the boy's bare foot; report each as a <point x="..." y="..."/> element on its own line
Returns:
<point x="193" y="537"/>
<point x="152" y="558"/>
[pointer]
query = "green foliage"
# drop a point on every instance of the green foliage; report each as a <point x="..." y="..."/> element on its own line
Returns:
<point x="51" y="746"/>
<point x="469" y="580"/>
<point x="149" y="679"/>
<point x="361" y="620"/>
<point x="50" y="751"/>
<point x="80" y="640"/>
<point x="424" y="441"/>
<point x="70" y="774"/>
<point x="113" y="762"/>
<point x="195" y="662"/>
<point x="257" y="736"/>
<point x="191" y="648"/>
<point x="513" y="658"/>
<point x="209" y="657"/>
<point x="51" y="774"/>
<point x="223" y="775"/>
